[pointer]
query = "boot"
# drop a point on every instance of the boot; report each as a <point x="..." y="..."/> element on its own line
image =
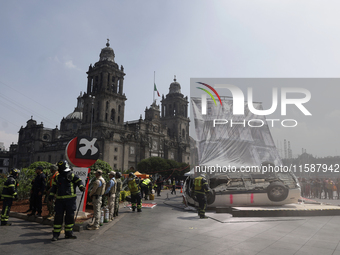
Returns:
<point x="70" y="235"/>
<point x="4" y="223"/>
<point x="55" y="236"/>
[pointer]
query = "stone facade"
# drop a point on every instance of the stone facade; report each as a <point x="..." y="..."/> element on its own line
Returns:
<point x="100" y="113"/>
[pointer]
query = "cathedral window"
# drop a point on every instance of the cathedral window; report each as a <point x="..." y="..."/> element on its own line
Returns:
<point x="118" y="108"/>
<point x="118" y="120"/>
<point x="107" y="105"/>
<point x="183" y="133"/>
<point x="113" y="115"/>
<point x="105" y="116"/>
<point x="132" y="150"/>
<point x="113" y="85"/>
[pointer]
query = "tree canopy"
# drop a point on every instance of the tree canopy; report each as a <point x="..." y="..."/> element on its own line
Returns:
<point x="162" y="166"/>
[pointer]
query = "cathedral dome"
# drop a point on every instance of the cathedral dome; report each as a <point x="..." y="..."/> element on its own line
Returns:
<point x="107" y="53"/>
<point x="78" y="111"/>
<point x="175" y="87"/>
<point x="75" y="115"/>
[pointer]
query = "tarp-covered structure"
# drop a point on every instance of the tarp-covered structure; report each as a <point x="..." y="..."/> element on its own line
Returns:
<point x="237" y="144"/>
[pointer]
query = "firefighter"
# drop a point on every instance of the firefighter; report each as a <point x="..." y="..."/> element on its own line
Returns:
<point x="200" y="189"/>
<point x="96" y="194"/>
<point x="118" y="189"/>
<point x="111" y="194"/>
<point x="173" y="186"/>
<point x="64" y="188"/>
<point x="9" y="193"/>
<point x="134" y="187"/>
<point x="146" y="187"/>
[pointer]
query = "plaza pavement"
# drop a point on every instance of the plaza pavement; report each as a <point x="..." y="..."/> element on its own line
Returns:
<point x="168" y="229"/>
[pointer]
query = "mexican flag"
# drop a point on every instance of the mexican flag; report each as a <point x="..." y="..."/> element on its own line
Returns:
<point x="155" y="89"/>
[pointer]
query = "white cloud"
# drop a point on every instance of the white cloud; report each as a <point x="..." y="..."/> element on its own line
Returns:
<point x="69" y="64"/>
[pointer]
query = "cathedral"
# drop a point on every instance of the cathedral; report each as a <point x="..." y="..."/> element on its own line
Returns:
<point x="164" y="131"/>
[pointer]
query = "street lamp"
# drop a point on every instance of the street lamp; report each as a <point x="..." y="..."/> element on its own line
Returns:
<point x="93" y="97"/>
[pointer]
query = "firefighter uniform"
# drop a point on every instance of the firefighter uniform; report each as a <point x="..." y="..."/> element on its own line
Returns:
<point x="9" y="192"/>
<point x="146" y="187"/>
<point x="173" y="187"/>
<point x="200" y="189"/>
<point x="117" y="197"/>
<point x="64" y="189"/>
<point x="96" y="194"/>
<point x="134" y="187"/>
<point x="111" y="193"/>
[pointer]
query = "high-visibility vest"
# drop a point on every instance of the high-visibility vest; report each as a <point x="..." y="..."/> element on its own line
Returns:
<point x="133" y="187"/>
<point x="198" y="183"/>
<point x="146" y="182"/>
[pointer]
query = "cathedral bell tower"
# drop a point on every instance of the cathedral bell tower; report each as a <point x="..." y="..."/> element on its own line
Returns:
<point x="175" y="113"/>
<point x="104" y="101"/>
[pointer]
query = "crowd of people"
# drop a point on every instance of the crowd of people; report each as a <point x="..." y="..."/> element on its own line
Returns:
<point x="322" y="188"/>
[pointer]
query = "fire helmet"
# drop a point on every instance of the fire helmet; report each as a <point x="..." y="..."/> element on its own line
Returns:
<point x="14" y="172"/>
<point x="63" y="166"/>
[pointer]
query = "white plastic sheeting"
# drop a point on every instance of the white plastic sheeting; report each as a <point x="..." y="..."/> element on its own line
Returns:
<point x="233" y="142"/>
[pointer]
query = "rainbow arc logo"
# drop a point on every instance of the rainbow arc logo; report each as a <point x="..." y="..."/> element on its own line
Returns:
<point x="209" y="93"/>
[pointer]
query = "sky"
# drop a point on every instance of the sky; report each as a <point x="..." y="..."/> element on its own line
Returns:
<point x="47" y="46"/>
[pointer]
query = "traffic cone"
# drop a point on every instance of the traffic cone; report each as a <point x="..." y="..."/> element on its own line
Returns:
<point x="181" y="190"/>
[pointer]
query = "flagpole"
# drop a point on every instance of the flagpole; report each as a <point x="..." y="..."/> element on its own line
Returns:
<point x="154" y="74"/>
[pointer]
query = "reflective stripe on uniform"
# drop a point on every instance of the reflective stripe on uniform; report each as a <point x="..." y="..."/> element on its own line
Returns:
<point x="67" y="196"/>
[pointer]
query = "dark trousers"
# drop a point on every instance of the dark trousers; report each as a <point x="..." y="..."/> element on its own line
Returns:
<point x="6" y="208"/>
<point x="145" y="191"/>
<point x="64" y="206"/>
<point x="36" y="203"/>
<point x="173" y="189"/>
<point x="159" y="187"/>
<point x="202" y="204"/>
<point x="136" y="199"/>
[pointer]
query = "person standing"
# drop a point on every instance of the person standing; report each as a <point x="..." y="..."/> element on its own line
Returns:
<point x="64" y="188"/>
<point x="134" y="187"/>
<point x="9" y="192"/>
<point x="50" y="204"/>
<point x="173" y="186"/>
<point x="38" y="188"/>
<point x="200" y="189"/>
<point x="111" y="194"/>
<point x="96" y="194"/>
<point x="146" y="187"/>
<point x="159" y="183"/>
<point x="118" y="189"/>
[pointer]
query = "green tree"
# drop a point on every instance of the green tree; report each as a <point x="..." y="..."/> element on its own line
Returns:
<point x="163" y="166"/>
